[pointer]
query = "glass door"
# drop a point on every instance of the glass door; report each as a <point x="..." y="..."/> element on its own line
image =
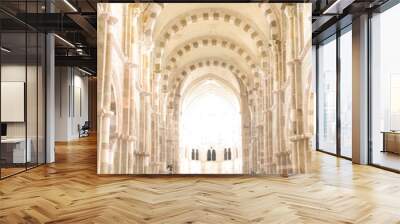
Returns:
<point x="14" y="153"/>
<point x="327" y="96"/>
<point x="22" y="78"/>
<point x="346" y="92"/>
<point x="385" y="90"/>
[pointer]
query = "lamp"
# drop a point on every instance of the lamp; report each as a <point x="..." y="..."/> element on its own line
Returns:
<point x="70" y="5"/>
<point x="65" y="41"/>
<point x="84" y="71"/>
<point x="5" y="50"/>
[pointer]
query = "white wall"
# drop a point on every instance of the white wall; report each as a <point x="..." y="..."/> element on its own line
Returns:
<point x="16" y="73"/>
<point x="12" y="73"/>
<point x="34" y="126"/>
<point x="80" y="109"/>
<point x="71" y="102"/>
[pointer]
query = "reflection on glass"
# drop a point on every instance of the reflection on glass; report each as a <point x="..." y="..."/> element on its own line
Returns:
<point x="346" y="94"/>
<point x="386" y="88"/>
<point x="41" y="99"/>
<point x="314" y="82"/>
<point x="13" y="86"/>
<point x="327" y="97"/>
<point x="31" y="100"/>
<point x="22" y="90"/>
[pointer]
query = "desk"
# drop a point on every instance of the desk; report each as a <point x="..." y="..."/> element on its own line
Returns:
<point x="13" y="150"/>
<point x="391" y="141"/>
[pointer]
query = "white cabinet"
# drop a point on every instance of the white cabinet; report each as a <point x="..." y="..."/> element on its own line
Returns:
<point x="19" y="155"/>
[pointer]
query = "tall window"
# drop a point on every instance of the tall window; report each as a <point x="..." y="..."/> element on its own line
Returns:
<point x="225" y="154"/>
<point x="327" y="96"/>
<point x="346" y="92"/>
<point x="385" y="89"/>
<point x="214" y="156"/>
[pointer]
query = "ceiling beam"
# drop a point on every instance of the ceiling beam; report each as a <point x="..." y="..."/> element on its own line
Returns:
<point x="84" y="24"/>
<point x="337" y="7"/>
<point x="81" y="61"/>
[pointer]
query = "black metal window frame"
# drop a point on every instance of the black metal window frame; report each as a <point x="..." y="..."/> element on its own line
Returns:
<point x="334" y="37"/>
<point x="381" y="9"/>
<point x="387" y="5"/>
<point x="29" y="29"/>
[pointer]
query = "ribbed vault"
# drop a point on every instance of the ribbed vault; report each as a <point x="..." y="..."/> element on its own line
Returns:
<point x="204" y="66"/>
<point x="231" y="22"/>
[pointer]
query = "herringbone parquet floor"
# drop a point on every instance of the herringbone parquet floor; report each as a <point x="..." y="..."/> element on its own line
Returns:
<point x="69" y="191"/>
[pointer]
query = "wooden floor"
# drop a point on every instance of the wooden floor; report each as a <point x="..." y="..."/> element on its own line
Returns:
<point x="386" y="159"/>
<point x="69" y="191"/>
<point x="5" y="172"/>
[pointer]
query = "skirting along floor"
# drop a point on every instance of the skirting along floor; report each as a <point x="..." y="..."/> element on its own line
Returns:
<point x="69" y="191"/>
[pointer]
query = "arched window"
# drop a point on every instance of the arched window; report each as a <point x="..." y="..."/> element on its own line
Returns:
<point x="193" y="158"/>
<point x="197" y="154"/>
<point x="225" y="154"/>
<point x="209" y="155"/>
<point x="229" y="154"/>
<point x="213" y="155"/>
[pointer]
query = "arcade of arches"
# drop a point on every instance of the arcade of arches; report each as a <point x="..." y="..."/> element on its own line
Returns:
<point x="204" y="88"/>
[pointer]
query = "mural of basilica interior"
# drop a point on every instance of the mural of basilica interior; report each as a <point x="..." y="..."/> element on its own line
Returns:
<point x="204" y="88"/>
<point x="156" y="113"/>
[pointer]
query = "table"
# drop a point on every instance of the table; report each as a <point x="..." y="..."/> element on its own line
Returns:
<point x="391" y="141"/>
<point x="13" y="150"/>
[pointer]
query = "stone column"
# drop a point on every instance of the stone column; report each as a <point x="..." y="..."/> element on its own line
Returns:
<point x="298" y="57"/>
<point x="244" y="107"/>
<point x="133" y="163"/>
<point x="170" y="140"/>
<point x="126" y="113"/>
<point x="128" y="86"/>
<point x="105" y="97"/>
<point x="176" y="116"/>
<point x="295" y="82"/>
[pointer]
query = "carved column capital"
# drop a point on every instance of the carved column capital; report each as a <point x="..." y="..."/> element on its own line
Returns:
<point x="136" y="11"/>
<point x="289" y="10"/>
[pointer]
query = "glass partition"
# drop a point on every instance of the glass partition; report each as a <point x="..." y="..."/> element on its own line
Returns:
<point x="41" y="96"/>
<point x="385" y="89"/>
<point x="314" y="88"/>
<point x="31" y="99"/>
<point x="327" y="96"/>
<point x="14" y="155"/>
<point x="22" y="88"/>
<point x="346" y="93"/>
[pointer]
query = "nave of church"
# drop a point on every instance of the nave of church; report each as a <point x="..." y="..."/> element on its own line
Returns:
<point x="173" y="78"/>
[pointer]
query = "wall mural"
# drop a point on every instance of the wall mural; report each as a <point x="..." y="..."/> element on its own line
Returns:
<point x="211" y="88"/>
